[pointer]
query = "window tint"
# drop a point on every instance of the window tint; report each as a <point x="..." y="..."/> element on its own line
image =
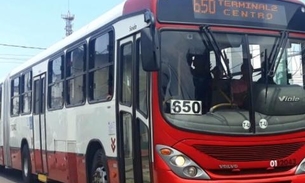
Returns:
<point x="43" y="96"/>
<point x="128" y="146"/>
<point x="142" y="83"/>
<point x="15" y="96"/>
<point x="55" y="83"/>
<point x="144" y="143"/>
<point x="126" y="74"/>
<point x="26" y="93"/>
<point x="75" y="76"/>
<point x="101" y="68"/>
<point x="39" y="96"/>
<point x="36" y="97"/>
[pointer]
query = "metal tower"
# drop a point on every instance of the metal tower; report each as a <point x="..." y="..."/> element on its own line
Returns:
<point x="68" y="18"/>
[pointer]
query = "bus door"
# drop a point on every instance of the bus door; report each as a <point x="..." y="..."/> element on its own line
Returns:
<point x="133" y="94"/>
<point x="39" y="123"/>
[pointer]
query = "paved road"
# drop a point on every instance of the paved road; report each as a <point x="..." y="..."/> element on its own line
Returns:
<point x="14" y="176"/>
<point x="10" y="176"/>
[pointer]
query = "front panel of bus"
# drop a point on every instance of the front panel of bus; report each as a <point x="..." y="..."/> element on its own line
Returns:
<point x="231" y="91"/>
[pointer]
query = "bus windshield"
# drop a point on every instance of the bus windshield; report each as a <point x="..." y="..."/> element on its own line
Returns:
<point x="199" y="94"/>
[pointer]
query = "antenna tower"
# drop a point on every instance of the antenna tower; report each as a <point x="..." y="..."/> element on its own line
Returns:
<point x="68" y="18"/>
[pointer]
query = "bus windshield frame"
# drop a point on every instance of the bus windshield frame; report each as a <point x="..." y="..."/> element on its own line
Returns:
<point x="178" y="90"/>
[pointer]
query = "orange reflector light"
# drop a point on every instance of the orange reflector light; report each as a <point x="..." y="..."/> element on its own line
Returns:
<point x="165" y="151"/>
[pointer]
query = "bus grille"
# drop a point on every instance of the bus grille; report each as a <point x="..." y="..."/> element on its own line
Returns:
<point x="251" y="171"/>
<point x="249" y="153"/>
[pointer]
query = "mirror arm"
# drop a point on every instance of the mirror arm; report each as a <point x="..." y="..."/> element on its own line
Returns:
<point x="149" y="18"/>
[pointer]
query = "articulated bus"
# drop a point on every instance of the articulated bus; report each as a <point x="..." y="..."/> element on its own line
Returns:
<point x="196" y="91"/>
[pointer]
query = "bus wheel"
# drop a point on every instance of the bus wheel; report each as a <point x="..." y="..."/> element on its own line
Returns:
<point x="26" y="165"/>
<point x="98" y="170"/>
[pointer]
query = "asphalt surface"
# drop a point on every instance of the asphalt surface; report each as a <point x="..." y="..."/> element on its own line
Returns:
<point x="10" y="176"/>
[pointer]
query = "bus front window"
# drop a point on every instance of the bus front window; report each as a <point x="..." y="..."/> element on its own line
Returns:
<point x="205" y="90"/>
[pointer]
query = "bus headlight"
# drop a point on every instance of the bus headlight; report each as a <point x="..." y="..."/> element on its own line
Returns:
<point x="301" y="167"/>
<point x="191" y="171"/>
<point x="181" y="164"/>
<point x="179" y="161"/>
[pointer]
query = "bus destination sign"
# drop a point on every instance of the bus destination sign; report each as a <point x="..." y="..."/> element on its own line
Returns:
<point x="238" y="10"/>
<point x="271" y="14"/>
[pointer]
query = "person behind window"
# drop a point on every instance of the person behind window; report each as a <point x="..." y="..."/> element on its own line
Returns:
<point x="219" y="87"/>
<point x="217" y="75"/>
<point x="202" y="79"/>
<point x="239" y="88"/>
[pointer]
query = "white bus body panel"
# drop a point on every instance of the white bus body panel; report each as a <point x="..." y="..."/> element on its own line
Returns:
<point x="5" y="119"/>
<point x="71" y="129"/>
<point x="129" y="26"/>
<point x="98" y="121"/>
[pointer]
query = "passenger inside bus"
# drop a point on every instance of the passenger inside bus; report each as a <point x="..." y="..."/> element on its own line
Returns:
<point x="202" y="79"/>
<point x="239" y="88"/>
<point x="220" y="88"/>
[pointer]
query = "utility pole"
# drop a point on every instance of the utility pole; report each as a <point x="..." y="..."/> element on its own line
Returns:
<point x="68" y="18"/>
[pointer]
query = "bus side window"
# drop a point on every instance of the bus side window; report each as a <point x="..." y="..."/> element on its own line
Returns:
<point x="15" y="89"/>
<point x="101" y="68"/>
<point x="75" y="74"/>
<point x="26" y="93"/>
<point x="55" y="83"/>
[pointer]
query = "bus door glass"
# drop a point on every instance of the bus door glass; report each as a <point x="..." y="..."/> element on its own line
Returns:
<point x="40" y="146"/>
<point x="133" y="106"/>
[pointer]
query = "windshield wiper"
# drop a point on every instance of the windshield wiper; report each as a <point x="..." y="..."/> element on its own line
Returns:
<point x="266" y="68"/>
<point x="211" y="39"/>
<point x="275" y="53"/>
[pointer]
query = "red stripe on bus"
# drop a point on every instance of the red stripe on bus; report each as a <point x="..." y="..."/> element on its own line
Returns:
<point x="15" y="155"/>
<point x="62" y="166"/>
<point x="136" y="5"/>
<point x="1" y="156"/>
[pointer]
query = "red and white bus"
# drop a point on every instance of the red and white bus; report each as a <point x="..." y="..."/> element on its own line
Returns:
<point x="164" y="91"/>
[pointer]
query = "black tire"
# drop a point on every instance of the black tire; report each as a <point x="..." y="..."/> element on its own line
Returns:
<point x="98" y="168"/>
<point x="26" y="165"/>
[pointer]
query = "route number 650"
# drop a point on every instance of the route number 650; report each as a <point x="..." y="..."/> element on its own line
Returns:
<point x="186" y="107"/>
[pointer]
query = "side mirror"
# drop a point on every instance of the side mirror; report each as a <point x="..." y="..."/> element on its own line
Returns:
<point x="148" y="51"/>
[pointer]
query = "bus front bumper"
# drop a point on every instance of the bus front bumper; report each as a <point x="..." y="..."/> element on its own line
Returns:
<point x="169" y="176"/>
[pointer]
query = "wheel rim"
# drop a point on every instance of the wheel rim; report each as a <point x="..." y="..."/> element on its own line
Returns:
<point x="100" y="175"/>
<point x="25" y="167"/>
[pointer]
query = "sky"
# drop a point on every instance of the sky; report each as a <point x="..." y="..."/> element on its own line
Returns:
<point x="38" y="23"/>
